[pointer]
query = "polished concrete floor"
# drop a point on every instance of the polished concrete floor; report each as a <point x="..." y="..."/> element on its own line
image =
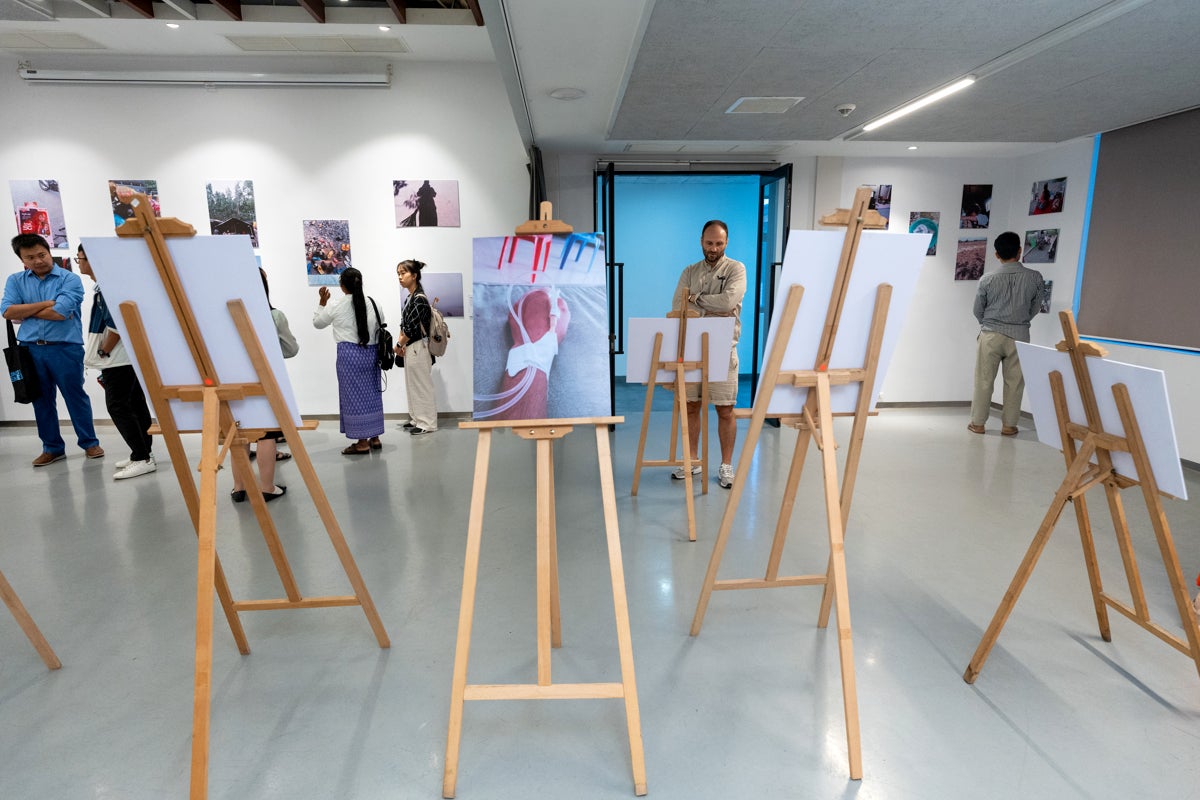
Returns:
<point x="752" y="707"/>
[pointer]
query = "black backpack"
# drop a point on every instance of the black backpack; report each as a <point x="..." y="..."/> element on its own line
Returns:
<point x="385" y="348"/>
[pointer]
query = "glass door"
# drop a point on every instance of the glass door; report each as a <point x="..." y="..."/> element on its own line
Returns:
<point x="775" y="202"/>
<point x="603" y="215"/>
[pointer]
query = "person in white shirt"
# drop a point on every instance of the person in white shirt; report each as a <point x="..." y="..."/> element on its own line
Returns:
<point x="355" y="321"/>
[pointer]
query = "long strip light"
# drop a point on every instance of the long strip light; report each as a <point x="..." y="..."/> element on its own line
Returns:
<point x="919" y="103"/>
<point x="380" y="79"/>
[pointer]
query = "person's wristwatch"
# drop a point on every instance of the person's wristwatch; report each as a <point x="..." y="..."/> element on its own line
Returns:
<point x="102" y="353"/>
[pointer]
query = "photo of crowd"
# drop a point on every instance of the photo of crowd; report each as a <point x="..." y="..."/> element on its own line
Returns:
<point x="326" y="250"/>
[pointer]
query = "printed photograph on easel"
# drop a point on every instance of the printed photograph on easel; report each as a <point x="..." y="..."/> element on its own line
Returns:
<point x="121" y="192"/>
<point x="426" y="204"/>
<point x="326" y="250"/>
<point x="38" y="209"/>
<point x="231" y="209"/>
<point x="540" y="327"/>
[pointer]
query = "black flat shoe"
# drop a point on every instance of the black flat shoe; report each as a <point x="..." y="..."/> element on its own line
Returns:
<point x="238" y="495"/>
<point x="269" y="496"/>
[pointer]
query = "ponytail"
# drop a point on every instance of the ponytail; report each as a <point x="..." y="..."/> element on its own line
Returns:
<point x="351" y="282"/>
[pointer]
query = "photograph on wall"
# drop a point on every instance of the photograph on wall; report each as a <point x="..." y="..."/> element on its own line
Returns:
<point x="121" y="194"/>
<point x="969" y="260"/>
<point x="38" y="209"/>
<point x="64" y="262"/>
<point x="426" y="204"/>
<point x="541" y="327"/>
<point x="444" y="290"/>
<point x="231" y="209"/>
<point x="976" y="208"/>
<point x="881" y="199"/>
<point x="1046" y="290"/>
<point x="925" y="222"/>
<point x="1041" y="247"/>
<point x="1048" y="196"/>
<point x="326" y="250"/>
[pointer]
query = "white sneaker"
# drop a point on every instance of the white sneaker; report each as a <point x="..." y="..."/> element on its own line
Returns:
<point x="123" y="463"/>
<point x="134" y="469"/>
<point x="725" y="476"/>
<point x="679" y="474"/>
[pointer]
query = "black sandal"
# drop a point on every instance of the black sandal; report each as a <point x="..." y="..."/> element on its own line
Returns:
<point x="353" y="450"/>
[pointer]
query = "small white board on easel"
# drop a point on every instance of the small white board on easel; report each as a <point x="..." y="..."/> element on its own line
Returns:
<point x="642" y="331"/>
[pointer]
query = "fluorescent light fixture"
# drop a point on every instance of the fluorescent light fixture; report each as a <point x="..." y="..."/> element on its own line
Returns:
<point x="919" y="103"/>
<point x="380" y="80"/>
<point x="173" y="25"/>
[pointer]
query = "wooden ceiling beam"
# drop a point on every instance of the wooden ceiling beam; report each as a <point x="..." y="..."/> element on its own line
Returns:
<point x="400" y="9"/>
<point x="475" y="12"/>
<point x="143" y="7"/>
<point x="315" y="8"/>
<point x="231" y="7"/>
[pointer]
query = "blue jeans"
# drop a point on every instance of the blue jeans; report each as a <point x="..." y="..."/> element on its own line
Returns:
<point x="60" y="367"/>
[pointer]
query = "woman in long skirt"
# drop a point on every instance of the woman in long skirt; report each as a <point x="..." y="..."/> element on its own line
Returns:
<point x="355" y="323"/>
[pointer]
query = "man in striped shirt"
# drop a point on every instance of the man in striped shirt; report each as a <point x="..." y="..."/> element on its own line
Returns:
<point x="1005" y="303"/>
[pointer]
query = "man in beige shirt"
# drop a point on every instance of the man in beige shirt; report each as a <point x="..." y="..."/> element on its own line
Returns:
<point x="715" y="287"/>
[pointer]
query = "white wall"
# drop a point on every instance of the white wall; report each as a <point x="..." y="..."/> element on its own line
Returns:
<point x="312" y="154"/>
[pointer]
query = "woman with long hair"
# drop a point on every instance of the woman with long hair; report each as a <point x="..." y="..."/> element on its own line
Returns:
<point x="355" y="323"/>
<point x="413" y="347"/>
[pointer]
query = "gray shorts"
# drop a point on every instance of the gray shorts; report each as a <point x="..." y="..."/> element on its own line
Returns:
<point x="720" y="393"/>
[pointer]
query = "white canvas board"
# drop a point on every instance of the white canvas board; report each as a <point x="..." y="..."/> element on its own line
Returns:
<point x="213" y="270"/>
<point x="1147" y="391"/>
<point x="811" y="261"/>
<point x="639" y="349"/>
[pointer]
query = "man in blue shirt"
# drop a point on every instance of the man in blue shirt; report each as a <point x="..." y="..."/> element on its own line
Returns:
<point x="47" y="300"/>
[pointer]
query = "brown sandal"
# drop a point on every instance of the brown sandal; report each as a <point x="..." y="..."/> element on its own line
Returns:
<point x="353" y="450"/>
<point x="374" y="443"/>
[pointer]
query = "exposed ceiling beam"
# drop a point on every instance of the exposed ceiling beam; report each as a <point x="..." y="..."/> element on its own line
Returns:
<point x="476" y="12"/>
<point x="100" y="9"/>
<point x="315" y="8"/>
<point x="231" y="7"/>
<point x="143" y="7"/>
<point x="400" y="9"/>
<point x="186" y="8"/>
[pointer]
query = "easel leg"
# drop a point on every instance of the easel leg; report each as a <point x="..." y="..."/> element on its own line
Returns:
<point x="841" y="596"/>
<point x="1087" y="542"/>
<point x="616" y="569"/>
<point x="688" y="455"/>
<point x="543" y="561"/>
<point x="466" y="613"/>
<point x="205" y="575"/>
<point x="1032" y="555"/>
<point x="789" y="502"/>
<point x="26" y="623"/>
<point x="555" y="607"/>
<point x="641" y="451"/>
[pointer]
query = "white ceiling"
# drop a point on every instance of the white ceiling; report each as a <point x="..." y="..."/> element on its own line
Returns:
<point x="659" y="74"/>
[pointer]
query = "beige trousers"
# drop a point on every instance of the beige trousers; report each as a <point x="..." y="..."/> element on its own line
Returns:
<point x="995" y="351"/>
<point x="418" y="381"/>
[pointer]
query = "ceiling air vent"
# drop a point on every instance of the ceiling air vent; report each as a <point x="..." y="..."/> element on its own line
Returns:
<point x="762" y="105"/>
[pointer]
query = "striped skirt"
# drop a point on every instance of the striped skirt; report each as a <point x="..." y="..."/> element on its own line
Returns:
<point x="360" y="400"/>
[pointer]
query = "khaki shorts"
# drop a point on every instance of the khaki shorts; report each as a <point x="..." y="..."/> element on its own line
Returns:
<point x="720" y="393"/>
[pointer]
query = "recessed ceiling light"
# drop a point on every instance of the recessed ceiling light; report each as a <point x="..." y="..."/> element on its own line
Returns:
<point x="172" y="25"/>
<point x="567" y="93"/>
<point x="912" y="147"/>
<point x="384" y="28"/>
<point x="762" y="105"/>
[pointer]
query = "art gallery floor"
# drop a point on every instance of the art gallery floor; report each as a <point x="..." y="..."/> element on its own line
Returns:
<point x="751" y="708"/>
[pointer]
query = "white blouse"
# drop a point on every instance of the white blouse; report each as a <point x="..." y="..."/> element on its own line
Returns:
<point x="339" y="312"/>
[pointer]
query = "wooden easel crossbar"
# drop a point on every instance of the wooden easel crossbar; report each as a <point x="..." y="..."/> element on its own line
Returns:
<point x="814" y="423"/>
<point x="222" y="435"/>
<point x="1083" y="444"/>
<point x="549" y="624"/>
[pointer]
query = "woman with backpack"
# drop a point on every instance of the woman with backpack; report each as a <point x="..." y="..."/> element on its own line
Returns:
<point x="413" y="346"/>
<point x="355" y="323"/>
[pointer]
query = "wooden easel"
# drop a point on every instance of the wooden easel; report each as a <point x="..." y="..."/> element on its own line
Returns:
<point x="815" y="420"/>
<point x="1082" y="475"/>
<point x="220" y="425"/>
<point x="549" y="626"/>
<point x="26" y="623"/>
<point x="679" y="418"/>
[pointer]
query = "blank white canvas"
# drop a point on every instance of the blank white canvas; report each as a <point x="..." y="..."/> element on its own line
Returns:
<point x="1147" y="391"/>
<point x="812" y="261"/>
<point x="641" y="345"/>
<point x="213" y="270"/>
